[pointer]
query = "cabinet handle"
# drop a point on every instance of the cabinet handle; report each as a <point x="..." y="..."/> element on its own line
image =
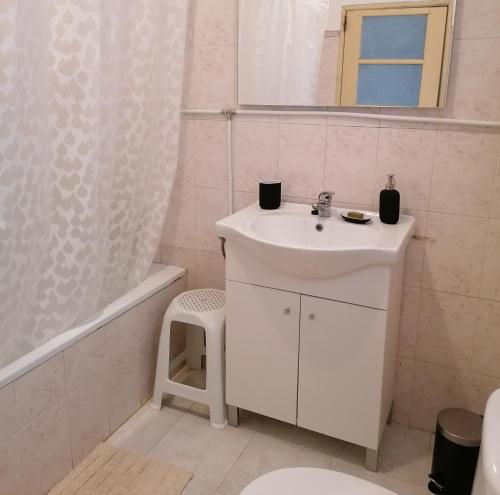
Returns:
<point x="312" y="316"/>
<point x="287" y="311"/>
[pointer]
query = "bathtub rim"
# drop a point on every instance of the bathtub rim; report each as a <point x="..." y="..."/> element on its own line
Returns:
<point x="159" y="277"/>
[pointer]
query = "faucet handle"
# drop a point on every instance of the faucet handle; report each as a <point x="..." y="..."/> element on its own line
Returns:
<point x="326" y="197"/>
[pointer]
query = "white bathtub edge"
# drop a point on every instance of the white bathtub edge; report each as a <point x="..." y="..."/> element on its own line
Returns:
<point x="159" y="277"/>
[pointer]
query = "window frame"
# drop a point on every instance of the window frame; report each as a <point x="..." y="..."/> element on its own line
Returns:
<point x="434" y="64"/>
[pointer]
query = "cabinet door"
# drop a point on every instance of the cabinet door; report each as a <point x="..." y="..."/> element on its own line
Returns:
<point x="262" y="345"/>
<point x="340" y="370"/>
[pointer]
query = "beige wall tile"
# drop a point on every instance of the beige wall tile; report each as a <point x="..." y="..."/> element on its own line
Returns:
<point x="187" y="86"/>
<point x="152" y="310"/>
<point x="415" y="252"/>
<point x="204" y="153"/>
<point x="211" y="205"/>
<point x="302" y="159"/>
<point x="402" y="391"/>
<point x="464" y="173"/>
<point x="434" y="388"/>
<point x="409" y="321"/>
<point x="302" y="119"/>
<point x="124" y="387"/>
<point x="148" y="353"/>
<point x="408" y="153"/>
<point x="495" y="208"/>
<point x="211" y="270"/>
<point x="213" y="77"/>
<point x="45" y="448"/>
<point x="351" y="159"/>
<point x="479" y="389"/>
<point x="121" y="334"/>
<point x="88" y="412"/>
<point x="84" y="358"/>
<point x="474" y="97"/>
<point x="446" y="328"/>
<point x="157" y="256"/>
<point x="454" y="253"/>
<point x="243" y="199"/>
<point x="486" y="356"/>
<point x="40" y="388"/>
<point x="185" y="175"/>
<point x="491" y="275"/>
<point x="12" y="467"/>
<point x="256" y="154"/>
<point x="477" y="19"/>
<point x="414" y="262"/>
<point x="184" y="257"/>
<point x="475" y="56"/>
<point x="214" y="22"/>
<point x="180" y="224"/>
<point x="8" y="411"/>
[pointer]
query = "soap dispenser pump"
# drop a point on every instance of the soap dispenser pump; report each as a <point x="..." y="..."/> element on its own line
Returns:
<point x="389" y="202"/>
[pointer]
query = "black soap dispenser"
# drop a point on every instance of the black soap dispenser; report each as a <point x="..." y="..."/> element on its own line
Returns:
<point x="389" y="202"/>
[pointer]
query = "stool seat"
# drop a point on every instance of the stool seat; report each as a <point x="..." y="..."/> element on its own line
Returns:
<point x="202" y="300"/>
<point x="204" y="308"/>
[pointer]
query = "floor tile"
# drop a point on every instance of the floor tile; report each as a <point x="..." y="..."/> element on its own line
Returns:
<point x="145" y="429"/>
<point x="265" y="453"/>
<point x="404" y="453"/>
<point x="207" y="452"/>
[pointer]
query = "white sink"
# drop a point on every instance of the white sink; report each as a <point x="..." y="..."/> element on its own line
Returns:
<point x="289" y="239"/>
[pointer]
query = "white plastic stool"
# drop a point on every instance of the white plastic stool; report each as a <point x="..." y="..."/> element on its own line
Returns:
<point x="204" y="308"/>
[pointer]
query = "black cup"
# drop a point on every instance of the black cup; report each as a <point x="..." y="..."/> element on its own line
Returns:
<point x="270" y="194"/>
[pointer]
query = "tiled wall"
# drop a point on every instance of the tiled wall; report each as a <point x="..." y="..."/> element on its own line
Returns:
<point x="54" y="415"/>
<point x="449" y="179"/>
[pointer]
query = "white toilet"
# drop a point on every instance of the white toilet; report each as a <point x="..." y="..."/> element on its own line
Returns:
<point x="487" y="480"/>
<point x="312" y="481"/>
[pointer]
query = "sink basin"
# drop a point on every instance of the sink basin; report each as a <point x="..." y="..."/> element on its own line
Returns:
<point x="294" y="241"/>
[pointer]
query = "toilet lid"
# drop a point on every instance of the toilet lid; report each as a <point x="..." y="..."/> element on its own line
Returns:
<point x="312" y="481"/>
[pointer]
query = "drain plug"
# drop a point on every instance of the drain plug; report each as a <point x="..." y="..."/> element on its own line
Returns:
<point x="319" y="227"/>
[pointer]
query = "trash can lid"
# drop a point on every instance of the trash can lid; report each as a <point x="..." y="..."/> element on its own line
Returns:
<point x="460" y="426"/>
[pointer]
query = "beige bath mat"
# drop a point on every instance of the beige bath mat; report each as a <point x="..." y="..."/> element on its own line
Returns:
<point x="111" y="471"/>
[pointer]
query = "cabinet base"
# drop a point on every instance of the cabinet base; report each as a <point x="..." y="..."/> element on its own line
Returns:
<point x="371" y="460"/>
<point x="233" y="416"/>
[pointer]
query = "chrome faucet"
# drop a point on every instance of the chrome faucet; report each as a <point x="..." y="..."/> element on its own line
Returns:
<point x="324" y="204"/>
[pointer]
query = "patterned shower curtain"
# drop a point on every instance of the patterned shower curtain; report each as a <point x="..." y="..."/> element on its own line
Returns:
<point x="90" y="94"/>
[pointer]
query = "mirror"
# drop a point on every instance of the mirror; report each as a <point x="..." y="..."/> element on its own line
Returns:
<point x="328" y="53"/>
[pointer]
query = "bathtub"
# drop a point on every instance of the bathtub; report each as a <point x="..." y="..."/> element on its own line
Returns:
<point x="62" y="399"/>
<point x="159" y="277"/>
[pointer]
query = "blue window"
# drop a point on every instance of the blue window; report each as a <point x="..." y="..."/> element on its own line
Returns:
<point x="389" y="85"/>
<point x="393" y="37"/>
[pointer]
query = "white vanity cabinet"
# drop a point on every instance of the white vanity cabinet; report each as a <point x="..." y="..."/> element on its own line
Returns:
<point x="308" y="361"/>
<point x="262" y="348"/>
<point x="341" y="361"/>
<point x="312" y="320"/>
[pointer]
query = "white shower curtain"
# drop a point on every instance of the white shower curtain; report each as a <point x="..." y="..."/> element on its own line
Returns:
<point x="90" y="94"/>
<point x="280" y="47"/>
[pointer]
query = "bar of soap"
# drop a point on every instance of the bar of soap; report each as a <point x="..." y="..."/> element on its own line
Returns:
<point x="355" y="214"/>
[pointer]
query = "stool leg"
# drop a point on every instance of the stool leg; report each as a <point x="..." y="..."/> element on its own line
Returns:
<point x="163" y="362"/>
<point x="215" y="377"/>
